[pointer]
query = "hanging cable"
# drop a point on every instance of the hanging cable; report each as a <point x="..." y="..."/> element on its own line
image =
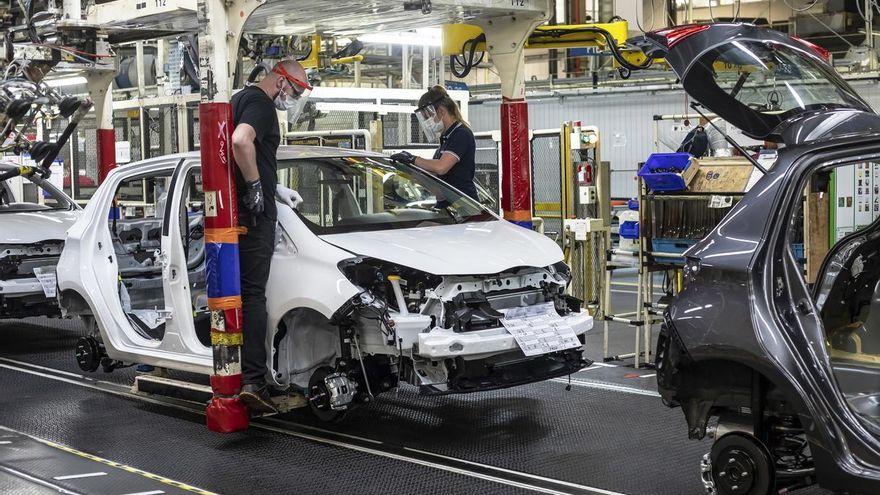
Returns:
<point x="736" y="13"/>
<point x="804" y="9"/>
<point x="609" y="40"/>
<point x="638" y="17"/>
<point x="468" y="53"/>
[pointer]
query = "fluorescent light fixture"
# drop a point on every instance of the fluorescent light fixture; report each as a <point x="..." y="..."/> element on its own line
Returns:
<point x="421" y="37"/>
<point x="66" y="81"/>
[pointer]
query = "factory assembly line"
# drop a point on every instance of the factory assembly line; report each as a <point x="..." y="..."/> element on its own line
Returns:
<point x="422" y="335"/>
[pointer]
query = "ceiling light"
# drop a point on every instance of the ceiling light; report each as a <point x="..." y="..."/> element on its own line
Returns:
<point x="421" y="37"/>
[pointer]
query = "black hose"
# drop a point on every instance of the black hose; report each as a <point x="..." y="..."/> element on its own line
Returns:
<point x="610" y="41"/>
<point x="467" y="63"/>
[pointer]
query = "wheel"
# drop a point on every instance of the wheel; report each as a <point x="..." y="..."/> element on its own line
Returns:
<point x="88" y="354"/>
<point x="741" y="465"/>
<point x="319" y="397"/>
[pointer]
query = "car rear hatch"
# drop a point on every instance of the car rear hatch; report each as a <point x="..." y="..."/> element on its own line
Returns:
<point x="757" y="79"/>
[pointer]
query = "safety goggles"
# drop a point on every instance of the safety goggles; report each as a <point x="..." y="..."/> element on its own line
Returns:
<point x="294" y="103"/>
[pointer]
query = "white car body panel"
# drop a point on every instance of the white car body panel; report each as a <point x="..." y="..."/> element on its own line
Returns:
<point x="307" y="288"/>
<point x="88" y="266"/>
<point x="35" y="237"/>
<point x="37" y="226"/>
<point x="482" y="248"/>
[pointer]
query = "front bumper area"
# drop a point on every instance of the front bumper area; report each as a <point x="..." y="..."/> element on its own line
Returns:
<point x="508" y="370"/>
<point x="442" y="343"/>
<point x="23" y="297"/>
<point x="18" y="287"/>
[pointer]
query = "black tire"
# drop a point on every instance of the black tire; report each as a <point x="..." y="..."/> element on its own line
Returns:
<point x="742" y="465"/>
<point x="318" y="405"/>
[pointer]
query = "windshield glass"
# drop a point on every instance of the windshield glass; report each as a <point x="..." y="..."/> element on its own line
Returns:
<point x="356" y="194"/>
<point x="776" y="79"/>
<point x="20" y="194"/>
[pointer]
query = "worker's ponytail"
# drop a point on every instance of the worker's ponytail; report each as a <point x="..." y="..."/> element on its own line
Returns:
<point x="438" y="97"/>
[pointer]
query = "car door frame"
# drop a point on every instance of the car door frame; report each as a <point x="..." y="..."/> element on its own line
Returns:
<point x="180" y="335"/>
<point x="790" y="328"/>
<point x="120" y="340"/>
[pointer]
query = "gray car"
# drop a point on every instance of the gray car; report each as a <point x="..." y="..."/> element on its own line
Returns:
<point x="783" y="374"/>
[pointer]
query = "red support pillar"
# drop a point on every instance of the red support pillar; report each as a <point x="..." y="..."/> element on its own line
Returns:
<point x="516" y="162"/>
<point x="106" y="139"/>
<point x="226" y="412"/>
<point x="506" y="36"/>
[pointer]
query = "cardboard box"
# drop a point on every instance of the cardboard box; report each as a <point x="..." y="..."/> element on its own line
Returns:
<point x="720" y="175"/>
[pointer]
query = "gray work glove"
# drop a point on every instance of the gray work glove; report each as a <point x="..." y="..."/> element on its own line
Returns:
<point x="404" y="157"/>
<point x="288" y="196"/>
<point x="252" y="197"/>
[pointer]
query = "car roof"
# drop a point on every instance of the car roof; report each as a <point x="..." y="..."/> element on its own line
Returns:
<point x="292" y="152"/>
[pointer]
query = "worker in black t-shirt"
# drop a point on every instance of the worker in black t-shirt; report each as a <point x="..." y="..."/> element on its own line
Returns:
<point x="255" y="143"/>
<point x="440" y="119"/>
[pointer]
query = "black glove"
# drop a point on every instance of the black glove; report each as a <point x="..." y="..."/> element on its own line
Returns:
<point x="253" y="197"/>
<point x="404" y="157"/>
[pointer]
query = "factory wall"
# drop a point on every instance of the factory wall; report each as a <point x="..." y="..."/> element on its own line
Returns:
<point x="625" y="122"/>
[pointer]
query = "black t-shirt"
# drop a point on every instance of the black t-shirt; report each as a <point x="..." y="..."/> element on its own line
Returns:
<point x="253" y="106"/>
<point x="459" y="141"/>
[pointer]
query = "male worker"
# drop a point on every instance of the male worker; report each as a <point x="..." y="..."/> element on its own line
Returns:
<point x="255" y="143"/>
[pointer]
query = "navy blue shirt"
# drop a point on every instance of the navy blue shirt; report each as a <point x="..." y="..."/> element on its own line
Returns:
<point x="459" y="141"/>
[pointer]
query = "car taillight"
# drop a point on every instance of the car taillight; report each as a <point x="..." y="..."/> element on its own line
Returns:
<point x="676" y="34"/>
<point x="818" y="50"/>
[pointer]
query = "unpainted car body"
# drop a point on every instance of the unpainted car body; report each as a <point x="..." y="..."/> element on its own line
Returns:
<point x="362" y="292"/>
<point x="748" y="349"/>
<point x="31" y="239"/>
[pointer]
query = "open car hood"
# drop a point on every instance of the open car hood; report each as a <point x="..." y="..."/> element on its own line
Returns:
<point x="762" y="81"/>
<point x="465" y="249"/>
<point x="37" y="226"/>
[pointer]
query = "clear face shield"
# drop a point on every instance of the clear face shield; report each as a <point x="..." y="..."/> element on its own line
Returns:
<point x="429" y="122"/>
<point x="293" y="97"/>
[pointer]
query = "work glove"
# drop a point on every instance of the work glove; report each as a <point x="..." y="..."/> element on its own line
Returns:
<point x="404" y="157"/>
<point x="253" y="197"/>
<point x="288" y="196"/>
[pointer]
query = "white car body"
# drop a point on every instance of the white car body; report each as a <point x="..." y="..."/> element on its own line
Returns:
<point x="31" y="238"/>
<point x="318" y="314"/>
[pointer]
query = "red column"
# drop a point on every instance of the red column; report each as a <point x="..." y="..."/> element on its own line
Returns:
<point x="226" y="412"/>
<point x="516" y="201"/>
<point x="106" y="139"/>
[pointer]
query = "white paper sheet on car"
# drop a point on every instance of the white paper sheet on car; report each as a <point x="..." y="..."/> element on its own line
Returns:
<point x="46" y="277"/>
<point x="539" y="329"/>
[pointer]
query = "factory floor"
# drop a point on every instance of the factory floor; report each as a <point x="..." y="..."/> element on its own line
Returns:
<point x="62" y="432"/>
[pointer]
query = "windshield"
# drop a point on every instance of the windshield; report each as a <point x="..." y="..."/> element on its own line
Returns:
<point x="357" y="194"/>
<point x="25" y="194"/>
<point x="756" y="85"/>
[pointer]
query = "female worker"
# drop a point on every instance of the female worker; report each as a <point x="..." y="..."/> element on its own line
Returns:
<point x="453" y="162"/>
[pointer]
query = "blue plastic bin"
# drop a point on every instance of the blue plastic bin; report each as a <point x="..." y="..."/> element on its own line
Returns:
<point x="665" y="181"/>
<point x="798" y="250"/>
<point x="671" y="246"/>
<point x="629" y="230"/>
